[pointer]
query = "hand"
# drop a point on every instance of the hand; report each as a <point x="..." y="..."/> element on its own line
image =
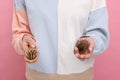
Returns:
<point x="84" y="54"/>
<point x="28" y="42"/>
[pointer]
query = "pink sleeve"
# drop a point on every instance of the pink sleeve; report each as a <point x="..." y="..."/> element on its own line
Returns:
<point x="20" y="27"/>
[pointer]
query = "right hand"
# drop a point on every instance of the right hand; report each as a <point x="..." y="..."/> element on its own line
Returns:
<point x="87" y="54"/>
<point x="28" y="42"/>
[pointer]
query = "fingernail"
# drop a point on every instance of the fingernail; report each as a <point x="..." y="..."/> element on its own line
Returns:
<point x="90" y="49"/>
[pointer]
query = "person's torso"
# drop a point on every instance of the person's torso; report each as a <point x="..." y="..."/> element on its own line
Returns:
<point x="57" y="25"/>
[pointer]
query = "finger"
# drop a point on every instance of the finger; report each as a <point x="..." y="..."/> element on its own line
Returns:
<point x="30" y="40"/>
<point x="91" y="47"/>
<point x="81" y="58"/>
<point x="91" y="44"/>
<point x="32" y="43"/>
<point x="76" y="51"/>
<point x="25" y="46"/>
<point x="85" y="56"/>
<point x="77" y="54"/>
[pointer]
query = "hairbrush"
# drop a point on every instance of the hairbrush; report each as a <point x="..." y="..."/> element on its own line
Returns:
<point x="83" y="45"/>
<point x="31" y="55"/>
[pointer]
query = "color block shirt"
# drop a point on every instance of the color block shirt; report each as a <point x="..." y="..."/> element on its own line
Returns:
<point x="56" y="26"/>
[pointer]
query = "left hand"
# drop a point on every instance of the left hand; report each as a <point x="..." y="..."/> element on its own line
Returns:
<point x="85" y="55"/>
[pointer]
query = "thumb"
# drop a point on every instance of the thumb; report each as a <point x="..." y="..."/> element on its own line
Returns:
<point x="32" y="43"/>
<point x="91" y="47"/>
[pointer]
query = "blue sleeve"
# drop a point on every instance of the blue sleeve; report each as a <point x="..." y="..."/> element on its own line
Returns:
<point x="97" y="28"/>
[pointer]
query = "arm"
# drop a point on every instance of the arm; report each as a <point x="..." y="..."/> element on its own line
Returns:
<point x="96" y="32"/>
<point x="20" y="25"/>
<point x="97" y="27"/>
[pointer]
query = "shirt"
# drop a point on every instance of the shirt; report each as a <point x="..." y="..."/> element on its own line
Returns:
<point x="56" y="26"/>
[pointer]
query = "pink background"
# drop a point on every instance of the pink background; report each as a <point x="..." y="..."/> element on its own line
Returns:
<point x="12" y="66"/>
